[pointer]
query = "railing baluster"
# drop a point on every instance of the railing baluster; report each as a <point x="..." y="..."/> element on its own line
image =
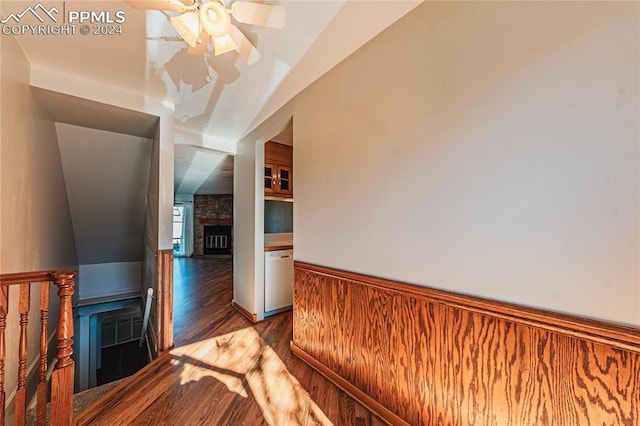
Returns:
<point x="62" y="380"/>
<point x="4" y="310"/>
<point x="21" y="394"/>
<point x="41" y="410"/>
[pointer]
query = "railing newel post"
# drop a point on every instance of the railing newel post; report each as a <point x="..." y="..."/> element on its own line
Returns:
<point x="62" y="379"/>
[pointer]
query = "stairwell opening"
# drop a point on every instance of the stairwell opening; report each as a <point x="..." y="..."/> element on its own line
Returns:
<point x="121" y="354"/>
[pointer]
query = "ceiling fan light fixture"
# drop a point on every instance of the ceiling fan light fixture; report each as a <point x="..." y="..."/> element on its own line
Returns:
<point x="223" y="44"/>
<point x="200" y="20"/>
<point x="188" y="26"/>
<point x="215" y="19"/>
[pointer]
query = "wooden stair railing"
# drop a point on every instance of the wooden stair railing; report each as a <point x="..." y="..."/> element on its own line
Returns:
<point x="62" y="378"/>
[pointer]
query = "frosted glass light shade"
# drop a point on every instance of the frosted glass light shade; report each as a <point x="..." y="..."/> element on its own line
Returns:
<point x="215" y="19"/>
<point x="188" y="26"/>
<point x="223" y="44"/>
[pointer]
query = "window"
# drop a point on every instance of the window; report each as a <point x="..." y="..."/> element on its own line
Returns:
<point x="178" y="210"/>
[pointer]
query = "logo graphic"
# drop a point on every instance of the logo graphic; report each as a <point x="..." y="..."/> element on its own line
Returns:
<point x="34" y="11"/>
<point x="41" y="20"/>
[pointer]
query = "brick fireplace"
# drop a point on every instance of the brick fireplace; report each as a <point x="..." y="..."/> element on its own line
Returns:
<point x="211" y="211"/>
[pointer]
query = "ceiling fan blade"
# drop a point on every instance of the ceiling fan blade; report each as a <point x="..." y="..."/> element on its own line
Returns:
<point x="199" y="48"/>
<point x="244" y="46"/>
<point x="265" y="15"/>
<point x="223" y="44"/>
<point x="175" y="5"/>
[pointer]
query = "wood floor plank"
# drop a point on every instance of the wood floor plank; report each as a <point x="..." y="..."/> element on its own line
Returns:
<point x="224" y="370"/>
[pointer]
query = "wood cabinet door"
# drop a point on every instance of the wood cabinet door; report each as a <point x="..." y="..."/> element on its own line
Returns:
<point x="270" y="178"/>
<point x="285" y="180"/>
<point x="278" y="169"/>
<point x="278" y="153"/>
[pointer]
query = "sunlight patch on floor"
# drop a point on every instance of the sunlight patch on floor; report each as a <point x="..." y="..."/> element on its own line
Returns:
<point x="247" y="366"/>
<point x="193" y="372"/>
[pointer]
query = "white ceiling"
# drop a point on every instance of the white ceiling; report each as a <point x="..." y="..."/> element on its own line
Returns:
<point x="106" y="176"/>
<point x="202" y="171"/>
<point x="150" y="59"/>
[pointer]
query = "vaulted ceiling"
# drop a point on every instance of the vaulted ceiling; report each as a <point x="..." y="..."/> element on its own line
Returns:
<point x="221" y="97"/>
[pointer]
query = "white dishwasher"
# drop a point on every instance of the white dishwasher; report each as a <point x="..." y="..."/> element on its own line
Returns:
<point x="278" y="281"/>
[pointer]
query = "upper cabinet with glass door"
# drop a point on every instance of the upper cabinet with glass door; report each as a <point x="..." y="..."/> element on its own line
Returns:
<point x="278" y="170"/>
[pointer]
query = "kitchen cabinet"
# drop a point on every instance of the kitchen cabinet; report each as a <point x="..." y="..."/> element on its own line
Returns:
<point x="278" y="170"/>
<point x="270" y="178"/>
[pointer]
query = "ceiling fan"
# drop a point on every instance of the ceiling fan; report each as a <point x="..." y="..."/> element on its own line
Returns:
<point x="201" y="20"/>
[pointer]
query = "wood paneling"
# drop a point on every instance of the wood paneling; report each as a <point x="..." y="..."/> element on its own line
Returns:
<point x="165" y="300"/>
<point x="434" y="357"/>
<point x="351" y="390"/>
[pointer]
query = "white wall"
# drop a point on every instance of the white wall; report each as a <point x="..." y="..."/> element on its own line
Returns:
<point x="248" y="213"/>
<point x="106" y="176"/>
<point x="109" y="279"/>
<point x="35" y="224"/>
<point x="244" y="220"/>
<point x="151" y="239"/>
<point x="488" y="148"/>
<point x="50" y="79"/>
<point x="165" y="181"/>
<point x="159" y="212"/>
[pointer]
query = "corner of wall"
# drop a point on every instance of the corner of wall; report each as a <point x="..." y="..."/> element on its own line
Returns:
<point x="244" y="229"/>
<point x="248" y="212"/>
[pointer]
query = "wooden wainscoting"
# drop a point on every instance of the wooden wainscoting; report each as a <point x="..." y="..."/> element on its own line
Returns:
<point x="165" y="300"/>
<point x="424" y="357"/>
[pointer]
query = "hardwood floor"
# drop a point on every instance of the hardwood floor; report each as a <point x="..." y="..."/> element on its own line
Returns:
<point x="224" y="370"/>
